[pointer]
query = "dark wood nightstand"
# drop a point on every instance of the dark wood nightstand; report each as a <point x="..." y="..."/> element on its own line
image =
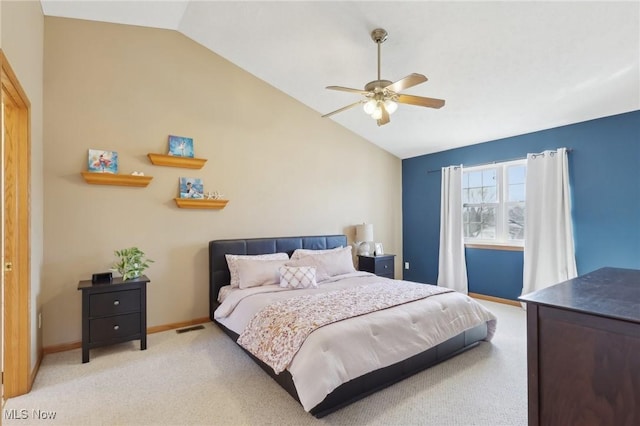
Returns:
<point x="113" y="312"/>
<point x="382" y="265"/>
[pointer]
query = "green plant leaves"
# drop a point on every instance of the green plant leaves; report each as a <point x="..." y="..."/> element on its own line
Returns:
<point x="131" y="262"/>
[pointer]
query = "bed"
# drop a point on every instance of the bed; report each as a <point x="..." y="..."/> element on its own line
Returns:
<point x="348" y="359"/>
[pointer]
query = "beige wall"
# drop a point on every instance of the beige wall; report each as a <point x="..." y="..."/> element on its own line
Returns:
<point x="22" y="36"/>
<point x="285" y="170"/>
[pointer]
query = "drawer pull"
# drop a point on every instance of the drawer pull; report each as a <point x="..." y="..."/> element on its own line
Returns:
<point x="386" y="266"/>
<point x="116" y="302"/>
<point x="116" y="327"/>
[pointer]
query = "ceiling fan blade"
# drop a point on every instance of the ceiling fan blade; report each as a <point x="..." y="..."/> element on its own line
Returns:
<point x="385" y="116"/>
<point x="342" y="109"/>
<point x="348" y="89"/>
<point x="404" y="83"/>
<point x="420" y="101"/>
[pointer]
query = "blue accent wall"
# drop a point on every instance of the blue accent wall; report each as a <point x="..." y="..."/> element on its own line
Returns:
<point x="604" y="172"/>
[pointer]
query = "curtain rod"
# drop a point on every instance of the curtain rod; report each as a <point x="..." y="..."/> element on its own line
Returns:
<point x="501" y="161"/>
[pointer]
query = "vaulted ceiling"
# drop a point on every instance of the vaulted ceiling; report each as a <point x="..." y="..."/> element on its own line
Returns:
<point x="504" y="68"/>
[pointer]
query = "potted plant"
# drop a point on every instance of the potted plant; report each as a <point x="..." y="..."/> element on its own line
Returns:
<point x="131" y="263"/>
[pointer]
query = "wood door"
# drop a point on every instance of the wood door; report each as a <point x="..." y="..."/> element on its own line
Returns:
<point x="2" y="275"/>
<point x="15" y="250"/>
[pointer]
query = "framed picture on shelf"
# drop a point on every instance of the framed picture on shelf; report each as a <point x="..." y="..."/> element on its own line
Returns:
<point x="191" y="188"/>
<point x="180" y="146"/>
<point x="102" y="161"/>
<point x="379" y="251"/>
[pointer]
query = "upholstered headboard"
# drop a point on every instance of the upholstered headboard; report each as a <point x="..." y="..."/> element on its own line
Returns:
<point x="219" y="272"/>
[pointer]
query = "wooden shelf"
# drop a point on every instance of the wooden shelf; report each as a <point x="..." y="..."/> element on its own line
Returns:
<point x="176" y="161"/>
<point x="198" y="203"/>
<point x="116" y="179"/>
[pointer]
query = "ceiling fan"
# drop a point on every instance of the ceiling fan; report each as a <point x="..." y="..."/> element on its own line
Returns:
<point x="381" y="97"/>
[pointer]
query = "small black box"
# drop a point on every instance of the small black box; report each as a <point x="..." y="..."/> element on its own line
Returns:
<point x="101" y="278"/>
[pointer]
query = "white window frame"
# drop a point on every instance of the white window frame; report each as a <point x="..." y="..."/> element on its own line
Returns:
<point x="502" y="206"/>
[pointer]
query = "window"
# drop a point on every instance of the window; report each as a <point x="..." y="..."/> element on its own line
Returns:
<point x="493" y="203"/>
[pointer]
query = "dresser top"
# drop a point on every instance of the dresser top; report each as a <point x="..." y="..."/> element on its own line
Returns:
<point x="608" y="292"/>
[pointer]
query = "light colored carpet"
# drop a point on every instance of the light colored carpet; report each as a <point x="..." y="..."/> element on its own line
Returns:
<point x="201" y="377"/>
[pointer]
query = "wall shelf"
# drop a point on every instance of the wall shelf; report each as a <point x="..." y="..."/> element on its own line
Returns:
<point x="176" y="161"/>
<point x="198" y="203"/>
<point x="116" y="179"/>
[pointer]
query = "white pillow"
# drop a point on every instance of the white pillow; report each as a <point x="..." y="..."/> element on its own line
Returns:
<point x="298" y="277"/>
<point x="257" y="272"/>
<point x="232" y="259"/>
<point x="298" y="253"/>
<point x="334" y="262"/>
<point x="321" y="274"/>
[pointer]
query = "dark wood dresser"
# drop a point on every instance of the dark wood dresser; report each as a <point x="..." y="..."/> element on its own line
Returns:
<point x="583" y="350"/>
<point x="382" y="265"/>
<point x="113" y="312"/>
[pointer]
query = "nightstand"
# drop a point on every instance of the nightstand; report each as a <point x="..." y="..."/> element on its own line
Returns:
<point x="113" y="312"/>
<point x="382" y="265"/>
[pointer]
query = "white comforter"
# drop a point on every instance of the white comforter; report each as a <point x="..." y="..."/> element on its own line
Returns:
<point x="342" y="351"/>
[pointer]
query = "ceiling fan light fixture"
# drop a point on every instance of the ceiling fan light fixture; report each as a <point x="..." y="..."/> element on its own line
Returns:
<point x="377" y="113"/>
<point x="390" y="106"/>
<point x="369" y="106"/>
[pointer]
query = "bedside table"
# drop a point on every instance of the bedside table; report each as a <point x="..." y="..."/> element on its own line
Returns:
<point x="113" y="312"/>
<point x="382" y="265"/>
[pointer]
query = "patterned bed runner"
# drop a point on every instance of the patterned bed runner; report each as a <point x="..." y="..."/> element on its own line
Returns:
<point x="276" y="333"/>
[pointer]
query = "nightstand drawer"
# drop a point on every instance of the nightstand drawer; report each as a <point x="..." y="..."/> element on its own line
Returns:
<point x="114" y="303"/>
<point x="114" y="328"/>
<point x="384" y="266"/>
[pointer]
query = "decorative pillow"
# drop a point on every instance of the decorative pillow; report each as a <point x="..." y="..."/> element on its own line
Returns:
<point x="233" y="258"/>
<point x="257" y="272"/>
<point x="298" y="277"/>
<point x="298" y="253"/>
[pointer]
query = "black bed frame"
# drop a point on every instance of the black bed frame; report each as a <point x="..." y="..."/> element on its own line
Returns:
<point x="354" y="389"/>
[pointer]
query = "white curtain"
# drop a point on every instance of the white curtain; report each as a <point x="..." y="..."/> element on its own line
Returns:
<point x="549" y="256"/>
<point x="452" y="268"/>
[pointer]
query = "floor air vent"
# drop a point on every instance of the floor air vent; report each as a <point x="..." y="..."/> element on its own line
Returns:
<point x="195" y="327"/>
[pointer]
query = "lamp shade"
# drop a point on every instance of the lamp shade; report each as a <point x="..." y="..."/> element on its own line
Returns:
<point x="377" y="113"/>
<point x="390" y="106"/>
<point x="364" y="232"/>
<point x="369" y="106"/>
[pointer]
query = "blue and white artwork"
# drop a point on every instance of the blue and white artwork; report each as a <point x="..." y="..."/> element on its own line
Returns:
<point x="102" y="161"/>
<point x="191" y="188"/>
<point x="180" y="146"/>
